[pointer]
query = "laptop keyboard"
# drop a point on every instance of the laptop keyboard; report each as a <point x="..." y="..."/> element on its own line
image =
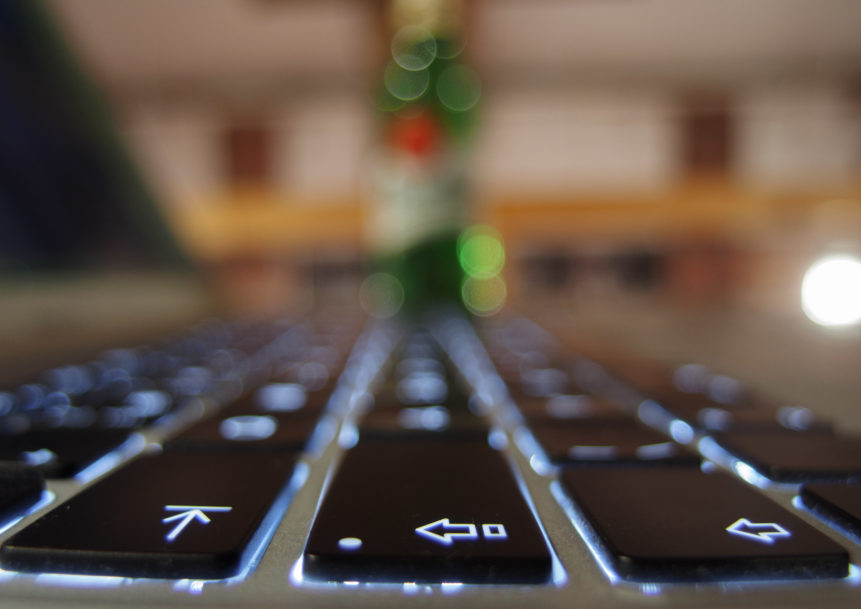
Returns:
<point x="416" y="458"/>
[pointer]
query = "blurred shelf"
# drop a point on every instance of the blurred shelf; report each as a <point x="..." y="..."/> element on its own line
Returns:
<point x="262" y="223"/>
<point x="695" y="209"/>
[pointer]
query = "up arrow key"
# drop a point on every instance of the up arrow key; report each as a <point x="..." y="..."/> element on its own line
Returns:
<point x="187" y="513"/>
<point x="450" y="531"/>
<point x="764" y="532"/>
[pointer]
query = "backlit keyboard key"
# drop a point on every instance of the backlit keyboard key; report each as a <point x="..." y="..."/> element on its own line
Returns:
<point x="425" y="510"/>
<point x="436" y="418"/>
<point x="246" y="431"/>
<point x="390" y="413"/>
<point x="174" y="515"/>
<point x="708" y="415"/>
<point x="571" y="407"/>
<point x="795" y="456"/>
<point x="613" y="443"/>
<point x="680" y="524"/>
<point x="837" y="503"/>
<point x="20" y="487"/>
<point x="60" y="453"/>
<point x="277" y="416"/>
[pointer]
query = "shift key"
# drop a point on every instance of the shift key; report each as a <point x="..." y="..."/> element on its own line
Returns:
<point x="425" y="509"/>
<point x="173" y="515"/>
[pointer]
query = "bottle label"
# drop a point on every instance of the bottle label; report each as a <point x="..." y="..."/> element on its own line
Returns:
<point x="410" y="207"/>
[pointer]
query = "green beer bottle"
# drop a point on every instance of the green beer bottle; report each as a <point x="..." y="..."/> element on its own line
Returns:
<point x="427" y="103"/>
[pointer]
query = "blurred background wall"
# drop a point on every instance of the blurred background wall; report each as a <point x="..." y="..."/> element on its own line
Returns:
<point x="693" y="152"/>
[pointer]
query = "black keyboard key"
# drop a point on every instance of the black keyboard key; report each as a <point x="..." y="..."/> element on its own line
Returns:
<point x="837" y="503"/>
<point x="392" y="412"/>
<point x="680" y="524"/>
<point x="20" y="487"/>
<point x="541" y="383"/>
<point x="571" y="407"/>
<point x="246" y="432"/>
<point x="419" y="389"/>
<point x="174" y="515"/>
<point x="609" y="444"/>
<point x="794" y="456"/>
<point x="707" y="415"/>
<point x="687" y="405"/>
<point x="794" y="418"/>
<point x="315" y="376"/>
<point x="60" y="453"/>
<point x="437" y="418"/>
<point x="425" y="510"/>
<point x="278" y="416"/>
<point x="282" y="398"/>
<point x="136" y="410"/>
<point x="687" y="386"/>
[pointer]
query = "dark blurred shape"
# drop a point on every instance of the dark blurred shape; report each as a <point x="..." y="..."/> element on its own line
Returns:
<point x="552" y="269"/>
<point x="69" y="195"/>
<point x="639" y="269"/>
<point x="248" y="148"/>
<point x="706" y="134"/>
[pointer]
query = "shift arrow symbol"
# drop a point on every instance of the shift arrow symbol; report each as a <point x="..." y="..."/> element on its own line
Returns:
<point x="764" y="532"/>
<point x="444" y="532"/>
<point x="187" y="513"/>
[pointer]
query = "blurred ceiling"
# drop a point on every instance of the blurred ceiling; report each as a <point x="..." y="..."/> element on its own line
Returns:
<point x="226" y="48"/>
<point x="688" y="41"/>
<point x="267" y="48"/>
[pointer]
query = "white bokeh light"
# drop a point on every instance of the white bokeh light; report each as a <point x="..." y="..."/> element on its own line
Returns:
<point x="831" y="291"/>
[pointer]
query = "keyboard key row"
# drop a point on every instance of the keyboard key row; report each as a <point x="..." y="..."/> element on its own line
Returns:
<point x="422" y="496"/>
<point x="652" y="522"/>
<point x="194" y="510"/>
<point x="781" y="443"/>
<point x="76" y="414"/>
